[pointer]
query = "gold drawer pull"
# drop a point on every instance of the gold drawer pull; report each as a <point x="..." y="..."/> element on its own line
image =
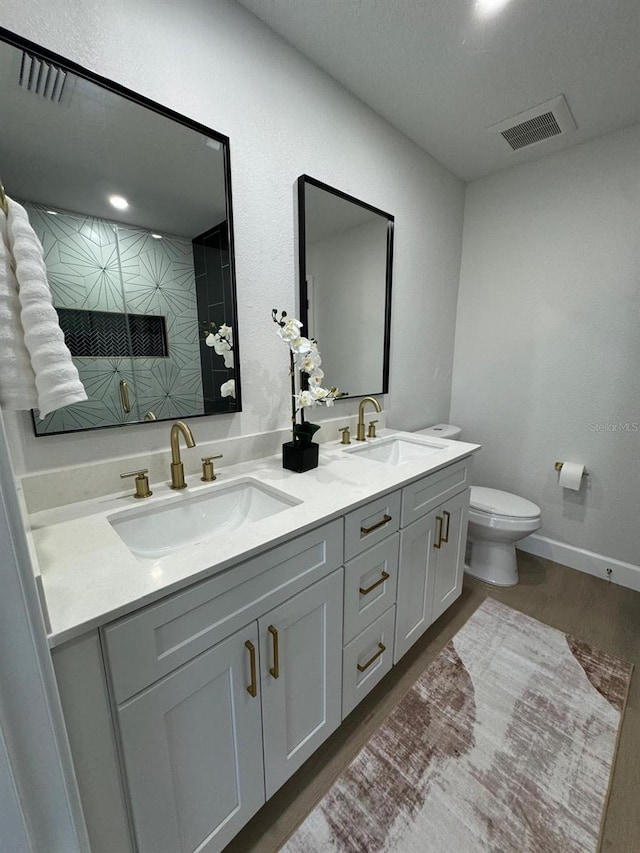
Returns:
<point x="447" y="516"/>
<point x="384" y="577"/>
<point x="381" y="650"/>
<point x="275" y="669"/>
<point x="252" y="689"/>
<point x="438" y="543"/>
<point x="124" y="396"/>
<point x="384" y="520"/>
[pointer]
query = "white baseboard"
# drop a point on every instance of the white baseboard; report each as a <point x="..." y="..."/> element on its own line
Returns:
<point x="624" y="574"/>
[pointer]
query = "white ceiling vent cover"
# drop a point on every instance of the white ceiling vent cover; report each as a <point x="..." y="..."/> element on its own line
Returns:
<point x="548" y="120"/>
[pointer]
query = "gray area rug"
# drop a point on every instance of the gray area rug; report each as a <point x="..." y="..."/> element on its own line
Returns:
<point x="505" y="743"/>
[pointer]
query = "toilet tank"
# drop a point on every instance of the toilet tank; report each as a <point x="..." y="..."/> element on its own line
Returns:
<point x="449" y="431"/>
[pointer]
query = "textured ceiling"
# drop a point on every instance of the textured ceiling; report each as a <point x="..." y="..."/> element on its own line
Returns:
<point x="443" y="71"/>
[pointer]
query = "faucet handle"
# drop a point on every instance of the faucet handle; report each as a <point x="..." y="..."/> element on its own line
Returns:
<point x="208" y="474"/>
<point x="371" y="432"/>
<point x="346" y="435"/>
<point x="142" y="482"/>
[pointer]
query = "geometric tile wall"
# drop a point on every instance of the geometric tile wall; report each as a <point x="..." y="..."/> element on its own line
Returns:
<point x="97" y="265"/>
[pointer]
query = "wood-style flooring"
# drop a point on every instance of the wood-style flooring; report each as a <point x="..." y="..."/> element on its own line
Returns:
<point x="601" y="613"/>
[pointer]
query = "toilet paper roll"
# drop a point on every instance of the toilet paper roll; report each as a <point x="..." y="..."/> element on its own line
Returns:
<point x="571" y="475"/>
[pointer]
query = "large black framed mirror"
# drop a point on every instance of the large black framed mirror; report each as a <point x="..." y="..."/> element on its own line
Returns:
<point x="345" y="260"/>
<point x="132" y="203"/>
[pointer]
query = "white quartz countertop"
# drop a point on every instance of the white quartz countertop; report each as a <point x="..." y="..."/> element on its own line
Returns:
<point x="90" y="577"/>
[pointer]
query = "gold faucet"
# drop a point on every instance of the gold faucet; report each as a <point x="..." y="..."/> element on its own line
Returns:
<point x="363" y="403"/>
<point x="177" y="468"/>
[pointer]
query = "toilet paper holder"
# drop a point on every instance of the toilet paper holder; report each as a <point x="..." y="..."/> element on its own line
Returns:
<point x="558" y="467"/>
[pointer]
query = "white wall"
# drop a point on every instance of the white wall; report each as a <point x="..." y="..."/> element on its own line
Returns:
<point x="217" y="64"/>
<point x="547" y="354"/>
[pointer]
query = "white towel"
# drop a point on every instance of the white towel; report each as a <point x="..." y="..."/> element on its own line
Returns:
<point x="56" y="378"/>
<point x="17" y="379"/>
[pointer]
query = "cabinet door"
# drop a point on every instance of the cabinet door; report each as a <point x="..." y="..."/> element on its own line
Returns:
<point x="301" y="676"/>
<point x="192" y="747"/>
<point x="450" y="560"/>
<point x="415" y="582"/>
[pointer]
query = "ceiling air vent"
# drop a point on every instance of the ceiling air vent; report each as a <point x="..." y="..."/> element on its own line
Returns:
<point x="42" y="77"/>
<point x="553" y="118"/>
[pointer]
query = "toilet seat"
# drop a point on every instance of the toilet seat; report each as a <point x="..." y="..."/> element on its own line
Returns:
<point x="495" y="502"/>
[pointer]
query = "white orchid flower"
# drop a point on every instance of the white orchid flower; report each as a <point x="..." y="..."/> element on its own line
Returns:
<point x="226" y="332"/>
<point x="228" y="388"/>
<point x="316" y="377"/>
<point x="318" y="393"/>
<point x="306" y="400"/>
<point x="291" y="329"/>
<point x="222" y="347"/>
<point x="300" y="345"/>
<point x="308" y="362"/>
<point x="210" y="339"/>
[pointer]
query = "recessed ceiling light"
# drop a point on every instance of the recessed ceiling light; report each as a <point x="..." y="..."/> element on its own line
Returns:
<point x="157" y="236"/>
<point x="487" y="8"/>
<point x="52" y="212"/>
<point x="119" y="202"/>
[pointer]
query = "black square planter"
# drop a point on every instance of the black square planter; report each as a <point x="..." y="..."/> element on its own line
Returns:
<point x="299" y="457"/>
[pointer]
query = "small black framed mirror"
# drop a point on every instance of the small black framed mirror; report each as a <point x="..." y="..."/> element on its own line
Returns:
<point x="132" y="204"/>
<point x="346" y="262"/>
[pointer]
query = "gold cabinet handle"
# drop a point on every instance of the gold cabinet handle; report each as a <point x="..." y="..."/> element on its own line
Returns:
<point x="383" y="577"/>
<point x="384" y="520"/>
<point x="438" y="543"/>
<point x="381" y="650"/>
<point x="252" y="689"/>
<point x="275" y="669"/>
<point x="124" y="396"/>
<point x="447" y="516"/>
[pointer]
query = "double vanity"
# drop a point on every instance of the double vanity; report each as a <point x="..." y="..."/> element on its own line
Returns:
<point x="209" y="635"/>
<point x="207" y="641"/>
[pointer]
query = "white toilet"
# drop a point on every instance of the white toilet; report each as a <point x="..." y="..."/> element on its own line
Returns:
<point x="497" y="520"/>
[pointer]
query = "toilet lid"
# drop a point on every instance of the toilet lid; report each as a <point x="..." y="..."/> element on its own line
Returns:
<point x="496" y="502"/>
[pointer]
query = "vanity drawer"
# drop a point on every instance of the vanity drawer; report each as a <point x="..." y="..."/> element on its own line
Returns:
<point x="146" y="646"/>
<point x="367" y="659"/>
<point x="421" y="497"/>
<point x="371" y="524"/>
<point x="370" y="583"/>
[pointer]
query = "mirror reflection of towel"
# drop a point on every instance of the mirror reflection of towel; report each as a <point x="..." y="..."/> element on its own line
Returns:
<point x="51" y="380"/>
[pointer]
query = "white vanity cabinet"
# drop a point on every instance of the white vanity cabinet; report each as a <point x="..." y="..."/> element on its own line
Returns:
<point x="187" y="714"/>
<point x="432" y="543"/>
<point x="203" y="746"/>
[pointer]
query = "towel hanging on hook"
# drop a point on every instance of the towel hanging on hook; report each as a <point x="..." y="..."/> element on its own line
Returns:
<point x="3" y="200"/>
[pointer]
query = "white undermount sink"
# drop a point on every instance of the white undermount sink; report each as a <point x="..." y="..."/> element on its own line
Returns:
<point x="154" y="530"/>
<point x="397" y="451"/>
